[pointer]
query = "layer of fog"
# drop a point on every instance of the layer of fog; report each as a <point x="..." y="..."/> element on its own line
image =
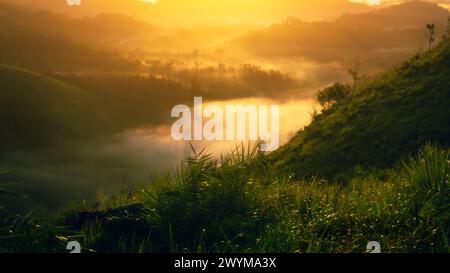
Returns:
<point x="97" y="171"/>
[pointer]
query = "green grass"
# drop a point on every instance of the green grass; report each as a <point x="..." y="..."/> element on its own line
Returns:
<point x="241" y="204"/>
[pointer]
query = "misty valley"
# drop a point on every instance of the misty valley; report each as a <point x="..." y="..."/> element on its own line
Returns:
<point x="221" y="126"/>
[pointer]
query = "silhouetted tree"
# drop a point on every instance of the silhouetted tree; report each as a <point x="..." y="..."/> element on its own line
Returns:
<point x="333" y="94"/>
<point x="431" y="32"/>
<point x="356" y="76"/>
<point x="314" y="112"/>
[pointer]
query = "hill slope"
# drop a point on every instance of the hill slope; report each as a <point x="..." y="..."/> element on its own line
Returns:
<point x="393" y="115"/>
<point x="35" y="110"/>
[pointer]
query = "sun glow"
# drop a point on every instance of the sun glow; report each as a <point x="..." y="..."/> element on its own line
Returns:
<point x="373" y="2"/>
<point x="150" y="1"/>
<point x="369" y="2"/>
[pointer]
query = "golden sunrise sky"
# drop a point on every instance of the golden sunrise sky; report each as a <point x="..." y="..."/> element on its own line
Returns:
<point x="255" y="11"/>
<point x="369" y="2"/>
<point x="258" y="11"/>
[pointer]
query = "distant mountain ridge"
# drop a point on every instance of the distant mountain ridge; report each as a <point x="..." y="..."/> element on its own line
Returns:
<point x="41" y="40"/>
<point x="406" y="15"/>
<point x="383" y="36"/>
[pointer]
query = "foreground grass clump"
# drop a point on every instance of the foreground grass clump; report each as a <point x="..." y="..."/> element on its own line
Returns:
<point x="242" y="204"/>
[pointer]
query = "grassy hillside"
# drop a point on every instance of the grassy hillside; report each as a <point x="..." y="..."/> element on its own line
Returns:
<point x="381" y="121"/>
<point x="37" y="109"/>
